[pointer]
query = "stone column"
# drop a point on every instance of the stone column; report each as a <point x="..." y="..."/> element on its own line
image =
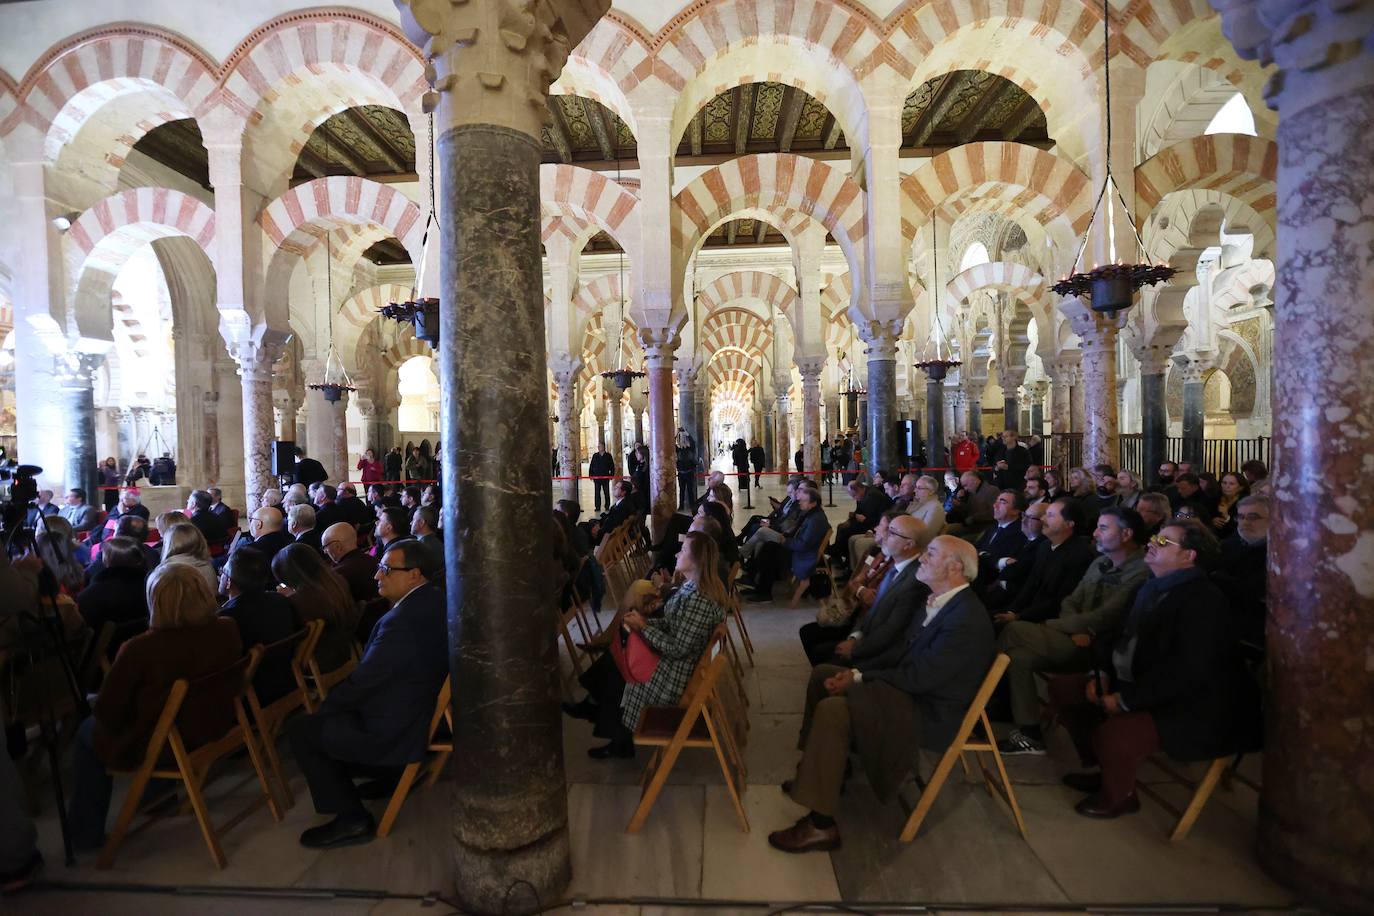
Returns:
<point x="491" y="71"/>
<point x="1063" y="377"/>
<point x="1038" y="390"/>
<point x="686" y="410"/>
<point x="599" y="416"/>
<point x="339" y="463"/>
<point x="935" y="422"/>
<point x="255" y="358"/>
<point x="617" y="444"/>
<point x="1077" y="419"/>
<point x="287" y="408"/>
<point x="638" y="404"/>
<point x="784" y="433"/>
<point x="973" y="406"/>
<point x="810" y="368"/>
<point x="659" y="345"/>
<point x="880" y="449"/>
<point x="1194" y="412"/>
<point x="769" y="445"/>
<point x="75" y="373"/>
<point x="210" y="424"/>
<point x="1097" y="333"/>
<point x="1316" y="813"/>
<point x="569" y="428"/>
<point x="1154" y="413"/>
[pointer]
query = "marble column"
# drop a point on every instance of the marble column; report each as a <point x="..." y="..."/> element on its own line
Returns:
<point x="1194" y="411"/>
<point x="616" y="411"/>
<point x="1037" y="421"/>
<point x="339" y="463"/>
<point x="287" y="408"/>
<point x="769" y="445"/>
<point x="599" y="416"/>
<point x="75" y="375"/>
<point x="569" y="429"/>
<point x="659" y="345"/>
<point x="686" y="410"/>
<point x="880" y="447"/>
<point x="973" y="407"/>
<point x="1316" y="813"/>
<point x="210" y="425"/>
<point x="784" y="433"/>
<point x="935" y="422"/>
<point x="1063" y="378"/>
<point x="1077" y="407"/>
<point x="255" y="358"/>
<point x="810" y="368"/>
<point x="1097" y="333"/>
<point x="1154" y="413"/>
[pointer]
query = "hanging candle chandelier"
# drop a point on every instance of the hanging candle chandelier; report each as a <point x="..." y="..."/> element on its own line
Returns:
<point x="1111" y="287"/>
<point x="623" y="376"/>
<point x="936" y="357"/>
<point x="335" y="380"/>
<point x="422" y="311"/>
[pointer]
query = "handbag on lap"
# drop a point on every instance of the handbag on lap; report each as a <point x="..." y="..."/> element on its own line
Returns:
<point x="634" y="657"/>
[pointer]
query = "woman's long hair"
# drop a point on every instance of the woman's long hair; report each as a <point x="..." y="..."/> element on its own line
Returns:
<point x="706" y="558"/>
<point x="185" y="539"/>
<point x="179" y="596"/>
<point x="57" y="549"/>
<point x="320" y="591"/>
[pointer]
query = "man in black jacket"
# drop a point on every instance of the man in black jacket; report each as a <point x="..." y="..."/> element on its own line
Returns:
<point x="263" y="616"/>
<point x="1242" y="571"/>
<point x="1011" y="462"/>
<point x="602" y="465"/>
<point x="758" y="459"/>
<point x="1012" y="572"/>
<point x="327" y="509"/>
<point x="1004" y="538"/>
<point x="916" y="700"/>
<point x="308" y="470"/>
<point x="267" y="526"/>
<point x="376" y="721"/>
<point x="1171" y="679"/>
<point x="1060" y="563"/>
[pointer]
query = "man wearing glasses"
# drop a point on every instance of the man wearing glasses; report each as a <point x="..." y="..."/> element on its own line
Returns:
<point x="377" y="720"/>
<point x="1242" y="571"/>
<point x="1171" y="679"/>
<point x="267" y="532"/>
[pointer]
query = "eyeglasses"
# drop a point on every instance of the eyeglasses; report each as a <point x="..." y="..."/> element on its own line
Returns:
<point x="1251" y="517"/>
<point x="1160" y="540"/>
<point x="384" y="569"/>
<point x="898" y="534"/>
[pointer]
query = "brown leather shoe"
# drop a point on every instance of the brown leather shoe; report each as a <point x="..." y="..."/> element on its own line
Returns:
<point x="1097" y="806"/>
<point x="804" y="836"/>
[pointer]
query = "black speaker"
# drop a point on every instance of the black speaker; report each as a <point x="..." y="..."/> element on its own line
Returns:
<point x="283" y="459"/>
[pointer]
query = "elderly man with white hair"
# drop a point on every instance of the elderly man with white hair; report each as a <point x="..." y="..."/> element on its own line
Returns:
<point x="889" y="712"/>
<point x="300" y="522"/>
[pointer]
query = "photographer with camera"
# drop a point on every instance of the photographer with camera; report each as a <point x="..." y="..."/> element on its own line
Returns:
<point x="20" y="860"/>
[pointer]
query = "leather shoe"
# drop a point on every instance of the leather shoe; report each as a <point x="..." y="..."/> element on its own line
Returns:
<point x="804" y="836"/>
<point x="608" y="751"/>
<point x="344" y="830"/>
<point x="1098" y="807"/>
<point x="1087" y="783"/>
<point x="584" y="709"/>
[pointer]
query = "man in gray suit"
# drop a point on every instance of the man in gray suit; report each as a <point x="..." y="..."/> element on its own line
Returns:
<point x="888" y="712"/>
<point x="876" y="641"/>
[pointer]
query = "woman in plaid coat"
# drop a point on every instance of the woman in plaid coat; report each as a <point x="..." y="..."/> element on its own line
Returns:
<point x="681" y="634"/>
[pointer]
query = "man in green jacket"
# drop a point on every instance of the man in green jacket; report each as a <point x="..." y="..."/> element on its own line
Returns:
<point x="1092" y="610"/>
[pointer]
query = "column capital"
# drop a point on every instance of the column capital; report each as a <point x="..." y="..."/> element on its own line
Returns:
<point x="1063" y="369"/>
<point x="1096" y="330"/>
<point x="810" y="368"/>
<point x="881" y="338"/>
<point x="1191" y="370"/>
<point x="1153" y="359"/>
<point x="492" y="63"/>
<point x="660" y="344"/>
<point x="1321" y="50"/>
<point x="564" y="367"/>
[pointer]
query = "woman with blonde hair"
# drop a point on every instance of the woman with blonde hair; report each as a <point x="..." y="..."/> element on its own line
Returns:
<point x="185" y="639"/>
<point x="183" y="543"/>
<point x="62" y="571"/>
<point x="317" y="592"/>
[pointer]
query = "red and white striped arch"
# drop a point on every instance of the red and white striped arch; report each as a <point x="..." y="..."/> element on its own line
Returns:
<point x="1238" y="165"/>
<point x="337" y="201"/>
<point x="105" y="235"/>
<point x="771" y="182"/>
<point x="407" y="346"/>
<point x="748" y="285"/>
<point x="737" y="329"/>
<point x="616" y="48"/>
<point x="358" y="312"/>
<point x="591" y="198"/>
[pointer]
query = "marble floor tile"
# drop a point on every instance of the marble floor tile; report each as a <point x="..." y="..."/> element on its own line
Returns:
<point x="663" y="860"/>
<point x="742" y="866"/>
<point x="771" y="755"/>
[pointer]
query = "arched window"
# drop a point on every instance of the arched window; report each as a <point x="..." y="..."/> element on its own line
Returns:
<point x="1234" y="117"/>
<point x="975" y="254"/>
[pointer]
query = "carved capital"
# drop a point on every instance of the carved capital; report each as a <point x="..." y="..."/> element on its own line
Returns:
<point x="1154" y="360"/>
<point x="1063" y="369"/>
<point x="1191" y="371"/>
<point x="1096" y="330"/>
<point x="881" y="338"/>
<point x="659" y="346"/>
<point x="810" y="368"/>
<point x="492" y="62"/>
<point x="1321" y="49"/>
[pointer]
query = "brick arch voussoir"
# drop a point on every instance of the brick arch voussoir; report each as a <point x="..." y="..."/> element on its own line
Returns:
<point x="102" y="231"/>
<point x="347" y="199"/>
<point x="1242" y="166"/>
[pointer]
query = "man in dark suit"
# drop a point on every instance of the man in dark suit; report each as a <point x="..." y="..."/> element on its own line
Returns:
<point x="887" y="712"/>
<point x="877" y="641"/>
<point x="1004" y="538"/>
<point x="972" y="508"/>
<point x="340" y="543"/>
<point x="352" y="509"/>
<point x="619" y="511"/>
<point x="308" y="470"/>
<point x="267" y="526"/>
<point x="424" y="527"/>
<point x="300" y="522"/>
<point x="602" y="464"/>
<point x="327" y="509"/>
<point x="1011" y="462"/>
<point x="263" y="616"/>
<point x="393" y="524"/>
<point x="376" y="721"/>
<point x="1060" y="563"/>
<point x="1172" y="679"/>
<point x="870" y="503"/>
<point x="1013" y="571"/>
<point x="210" y="524"/>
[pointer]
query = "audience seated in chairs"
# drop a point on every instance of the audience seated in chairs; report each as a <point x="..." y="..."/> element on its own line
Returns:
<point x="677" y="638"/>
<point x="358" y="569"/>
<point x="1009" y="574"/>
<point x="1171" y="680"/>
<point x="870" y="502"/>
<point x="917" y="700"/>
<point x="773" y="526"/>
<point x="1242" y="571"/>
<point x="797" y="551"/>
<point x="376" y="720"/>
<point x="424" y="527"/>
<point x="318" y="593"/>
<point x="1091" y="611"/>
<point x="876" y="641"/>
<point x="212" y="525"/>
<point x="300" y="524"/>
<point x="263" y="617"/>
<point x="620" y="510"/>
<point x="183" y="543"/>
<point x="116" y="594"/>
<point x="836" y="618"/>
<point x="134" y="527"/>
<point x="971" y="509"/>
<point x="926" y="504"/>
<point x="267" y="531"/>
<point x="1061" y="560"/>
<point x="185" y="639"/>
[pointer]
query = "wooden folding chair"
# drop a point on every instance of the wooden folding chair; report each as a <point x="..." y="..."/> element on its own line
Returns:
<point x="977" y="713"/>
<point x="737" y="615"/>
<point x="1222" y="768"/>
<point x="701" y="720"/>
<point x="323" y="680"/>
<point x="268" y="719"/>
<point x="441" y="748"/>
<point x="208" y="701"/>
<point x="822" y="562"/>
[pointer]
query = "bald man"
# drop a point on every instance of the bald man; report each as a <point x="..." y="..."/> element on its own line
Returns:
<point x="340" y="544"/>
<point x="267" y="525"/>
<point x="886" y="712"/>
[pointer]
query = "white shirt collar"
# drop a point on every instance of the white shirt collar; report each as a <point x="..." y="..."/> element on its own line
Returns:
<point x="936" y="603"/>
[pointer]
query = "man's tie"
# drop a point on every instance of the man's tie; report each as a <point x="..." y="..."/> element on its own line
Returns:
<point x="887" y="580"/>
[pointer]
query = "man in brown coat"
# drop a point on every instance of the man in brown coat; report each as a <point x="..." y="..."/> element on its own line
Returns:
<point x="890" y="712"/>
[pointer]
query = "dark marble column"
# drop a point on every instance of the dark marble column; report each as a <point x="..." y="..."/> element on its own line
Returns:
<point x="1154" y="412"/>
<point x="616" y="411"/>
<point x="973" y="407"/>
<point x="769" y="445"/>
<point x="1011" y="412"/>
<point x="1194" y="415"/>
<point x="783" y="458"/>
<point x="935" y="422"/>
<point x="880" y="447"/>
<point x="510" y="821"/>
<point x="1316" y="815"/>
<point x="75" y="376"/>
<point x="658" y="363"/>
<point x="686" y="409"/>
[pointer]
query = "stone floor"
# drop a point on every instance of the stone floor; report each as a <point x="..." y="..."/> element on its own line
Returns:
<point x="692" y="852"/>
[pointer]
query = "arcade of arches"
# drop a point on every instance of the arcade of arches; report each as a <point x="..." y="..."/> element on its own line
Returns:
<point x="760" y="204"/>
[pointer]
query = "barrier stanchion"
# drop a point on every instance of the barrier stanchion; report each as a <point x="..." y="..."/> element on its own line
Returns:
<point x="830" y="497"/>
<point x="747" y="503"/>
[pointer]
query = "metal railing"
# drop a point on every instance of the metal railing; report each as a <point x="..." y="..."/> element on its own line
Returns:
<point x="1065" y="450"/>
